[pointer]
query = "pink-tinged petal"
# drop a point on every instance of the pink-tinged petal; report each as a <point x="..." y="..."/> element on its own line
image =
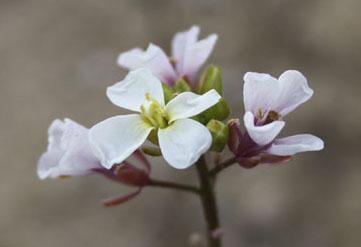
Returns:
<point x="69" y="152"/>
<point x="48" y="164"/>
<point x="153" y="59"/>
<point x="190" y="53"/>
<point x="183" y="142"/>
<point x="259" y="92"/>
<point x="295" y="144"/>
<point x="131" y="92"/>
<point x="116" y="138"/>
<point x="265" y="134"/>
<point x="183" y="39"/>
<point x="55" y="132"/>
<point x="294" y="91"/>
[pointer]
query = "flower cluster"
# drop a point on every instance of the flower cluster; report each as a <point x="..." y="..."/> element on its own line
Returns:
<point x="180" y="116"/>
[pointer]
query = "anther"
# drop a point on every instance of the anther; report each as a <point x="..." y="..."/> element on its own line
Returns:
<point x="272" y="116"/>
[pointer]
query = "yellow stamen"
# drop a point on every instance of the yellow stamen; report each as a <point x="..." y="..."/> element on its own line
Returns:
<point x="155" y="114"/>
<point x="147" y="96"/>
<point x="272" y="116"/>
<point x="259" y="114"/>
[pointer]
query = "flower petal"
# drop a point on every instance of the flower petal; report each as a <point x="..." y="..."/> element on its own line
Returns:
<point x="114" y="139"/>
<point x="189" y="104"/>
<point x="69" y="152"/>
<point x="130" y="93"/>
<point x="183" y="142"/>
<point x="262" y="135"/>
<point x="294" y="91"/>
<point x="153" y="59"/>
<point x="48" y="164"/>
<point x="191" y="54"/>
<point x="295" y="144"/>
<point x="259" y="92"/>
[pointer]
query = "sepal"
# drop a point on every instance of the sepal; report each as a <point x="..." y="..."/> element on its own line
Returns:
<point x="152" y="151"/>
<point x="181" y="86"/>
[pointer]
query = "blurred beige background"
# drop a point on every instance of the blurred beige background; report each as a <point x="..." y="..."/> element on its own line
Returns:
<point x="58" y="57"/>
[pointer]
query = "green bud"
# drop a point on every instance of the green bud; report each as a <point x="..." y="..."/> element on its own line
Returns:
<point x="152" y="151"/>
<point x="219" y="111"/>
<point x="210" y="79"/>
<point x="168" y="92"/>
<point x="219" y="133"/>
<point x="181" y="86"/>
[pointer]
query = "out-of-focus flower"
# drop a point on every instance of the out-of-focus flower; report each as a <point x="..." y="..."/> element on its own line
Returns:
<point x="69" y="154"/>
<point x="267" y="100"/>
<point x="181" y="140"/>
<point x="188" y="55"/>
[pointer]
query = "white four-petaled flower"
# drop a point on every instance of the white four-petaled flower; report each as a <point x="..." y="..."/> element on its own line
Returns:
<point x="188" y="55"/>
<point x="267" y="100"/>
<point x="181" y="140"/>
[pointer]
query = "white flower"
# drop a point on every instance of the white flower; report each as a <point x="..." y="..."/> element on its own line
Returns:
<point x="69" y="152"/>
<point x="181" y="140"/>
<point x="267" y="100"/>
<point x="188" y="55"/>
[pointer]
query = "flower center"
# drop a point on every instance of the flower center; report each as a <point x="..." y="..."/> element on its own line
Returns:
<point x="154" y="114"/>
<point x="271" y="116"/>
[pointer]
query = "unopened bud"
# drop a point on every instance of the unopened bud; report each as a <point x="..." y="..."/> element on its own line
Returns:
<point x="131" y="175"/>
<point x="181" y="86"/>
<point x="219" y="133"/>
<point x="211" y="79"/>
<point x="168" y="92"/>
<point x="152" y="151"/>
<point x="219" y="111"/>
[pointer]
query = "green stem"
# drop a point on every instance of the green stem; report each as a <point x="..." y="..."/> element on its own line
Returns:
<point x="208" y="200"/>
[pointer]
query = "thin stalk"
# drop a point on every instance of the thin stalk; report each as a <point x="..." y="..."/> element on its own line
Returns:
<point x="208" y="200"/>
<point x="213" y="172"/>
<point x="171" y="185"/>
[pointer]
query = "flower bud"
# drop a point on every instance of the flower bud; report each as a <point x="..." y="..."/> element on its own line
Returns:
<point x="210" y="79"/>
<point x="152" y="151"/>
<point x="131" y="175"/>
<point x="219" y="133"/>
<point x="219" y="111"/>
<point x="181" y="86"/>
<point x="168" y="92"/>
